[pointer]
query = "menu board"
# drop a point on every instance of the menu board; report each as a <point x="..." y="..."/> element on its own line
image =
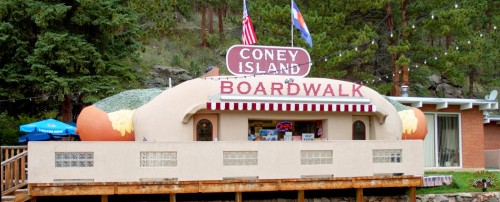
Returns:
<point x="307" y="136"/>
<point x="288" y="136"/>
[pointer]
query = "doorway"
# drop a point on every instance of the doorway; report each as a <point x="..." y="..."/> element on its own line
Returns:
<point x="204" y="130"/>
<point x="205" y="127"/>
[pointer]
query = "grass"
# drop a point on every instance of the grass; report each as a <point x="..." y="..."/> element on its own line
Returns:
<point x="462" y="182"/>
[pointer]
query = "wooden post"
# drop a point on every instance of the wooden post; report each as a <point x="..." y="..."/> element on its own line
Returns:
<point x="412" y="194"/>
<point x="23" y="169"/>
<point x="172" y="197"/>
<point x="238" y="197"/>
<point x="7" y="175"/>
<point x="104" y="198"/>
<point x="301" y="197"/>
<point x="359" y="195"/>
<point x="32" y="198"/>
<point x="16" y="172"/>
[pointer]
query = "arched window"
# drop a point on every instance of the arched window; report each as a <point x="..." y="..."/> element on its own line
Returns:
<point x="358" y="130"/>
<point x="204" y="130"/>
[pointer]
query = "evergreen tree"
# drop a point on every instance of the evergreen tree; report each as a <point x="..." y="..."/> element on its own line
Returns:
<point x="455" y="40"/>
<point x="342" y="34"/>
<point x="64" y="50"/>
<point x="371" y="42"/>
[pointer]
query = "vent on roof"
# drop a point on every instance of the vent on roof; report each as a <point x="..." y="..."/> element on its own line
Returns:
<point x="404" y="91"/>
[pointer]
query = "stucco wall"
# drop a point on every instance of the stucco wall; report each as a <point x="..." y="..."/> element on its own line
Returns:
<point x="121" y="161"/>
<point x="161" y="120"/>
<point x="338" y="126"/>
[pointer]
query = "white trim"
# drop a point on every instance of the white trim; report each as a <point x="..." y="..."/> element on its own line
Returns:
<point x="417" y="104"/>
<point x="466" y="106"/>
<point x="443" y="103"/>
<point x="460" y="139"/>
<point x="436" y="156"/>
<point x="485" y="106"/>
<point x="436" y="145"/>
<point x="489" y="119"/>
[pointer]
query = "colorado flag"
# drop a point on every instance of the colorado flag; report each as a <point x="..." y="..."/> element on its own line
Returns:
<point x="299" y="23"/>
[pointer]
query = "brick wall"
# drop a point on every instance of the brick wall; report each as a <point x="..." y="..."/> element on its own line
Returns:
<point x="491" y="136"/>
<point x="472" y="134"/>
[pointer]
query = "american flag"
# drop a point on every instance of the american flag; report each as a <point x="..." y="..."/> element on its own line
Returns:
<point x="248" y="36"/>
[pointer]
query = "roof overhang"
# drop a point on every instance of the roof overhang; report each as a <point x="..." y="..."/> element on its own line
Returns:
<point x="443" y="103"/>
<point x="491" y="119"/>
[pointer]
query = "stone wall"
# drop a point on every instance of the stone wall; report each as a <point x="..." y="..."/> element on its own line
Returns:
<point x="474" y="197"/>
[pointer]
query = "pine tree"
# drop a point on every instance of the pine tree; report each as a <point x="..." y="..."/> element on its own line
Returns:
<point x="454" y="41"/>
<point x="66" y="50"/>
<point x="380" y="43"/>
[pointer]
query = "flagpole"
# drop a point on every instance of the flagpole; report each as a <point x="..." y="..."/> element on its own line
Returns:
<point x="291" y="18"/>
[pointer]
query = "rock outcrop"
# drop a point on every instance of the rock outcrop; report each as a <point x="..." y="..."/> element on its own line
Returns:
<point x="160" y="74"/>
<point x="442" y="87"/>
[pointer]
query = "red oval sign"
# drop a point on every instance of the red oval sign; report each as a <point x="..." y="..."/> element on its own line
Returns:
<point x="284" y="126"/>
<point x="245" y="60"/>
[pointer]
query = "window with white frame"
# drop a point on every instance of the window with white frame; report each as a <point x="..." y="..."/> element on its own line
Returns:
<point x="442" y="142"/>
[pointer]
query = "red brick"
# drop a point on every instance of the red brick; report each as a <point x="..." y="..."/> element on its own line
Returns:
<point x="491" y="136"/>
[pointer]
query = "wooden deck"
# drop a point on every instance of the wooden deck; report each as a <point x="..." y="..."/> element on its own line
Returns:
<point x="237" y="186"/>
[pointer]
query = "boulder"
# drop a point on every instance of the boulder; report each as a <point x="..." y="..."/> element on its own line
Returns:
<point x="159" y="76"/>
<point x="442" y="87"/>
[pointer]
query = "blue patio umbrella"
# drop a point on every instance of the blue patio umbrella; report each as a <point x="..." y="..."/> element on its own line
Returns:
<point x="38" y="131"/>
<point x="34" y="136"/>
<point x="51" y="126"/>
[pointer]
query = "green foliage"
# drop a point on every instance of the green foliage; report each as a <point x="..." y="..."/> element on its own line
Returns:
<point x="213" y="40"/>
<point x="89" y="49"/>
<point x="176" y="61"/>
<point x="461" y="183"/>
<point x="63" y="47"/>
<point x="383" y="89"/>
<point x="8" y="129"/>
<point x="182" y="50"/>
<point x="447" y="37"/>
<point x="403" y="61"/>
<point x="9" y="125"/>
<point x="157" y="17"/>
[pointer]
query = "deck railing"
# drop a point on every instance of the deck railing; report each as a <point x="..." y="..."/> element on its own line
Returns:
<point x="11" y="151"/>
<point x="14" y="174"/>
